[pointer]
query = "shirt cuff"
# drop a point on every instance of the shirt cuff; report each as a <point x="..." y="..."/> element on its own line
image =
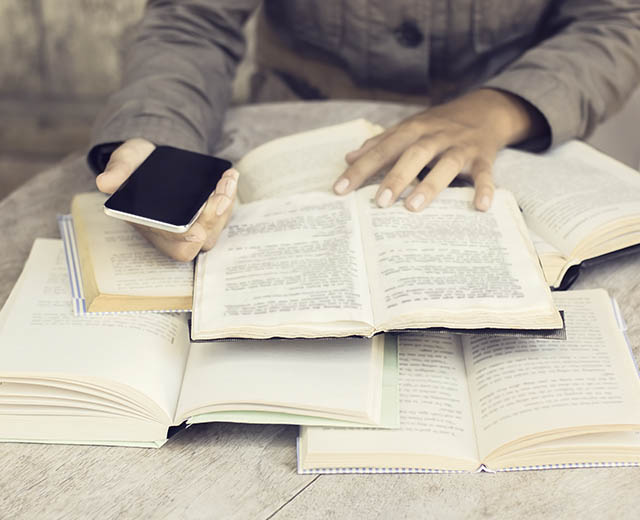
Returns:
<point x="159" y="130"/>
<point x="99" y="155"/>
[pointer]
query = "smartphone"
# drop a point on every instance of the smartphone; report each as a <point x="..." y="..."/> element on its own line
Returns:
<point x="168" y="190"/>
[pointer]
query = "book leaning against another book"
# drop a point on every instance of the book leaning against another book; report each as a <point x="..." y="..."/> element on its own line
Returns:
<point x="580" y="205"/>
<point x="126" y="379"/>
<point x="472" y="402"/>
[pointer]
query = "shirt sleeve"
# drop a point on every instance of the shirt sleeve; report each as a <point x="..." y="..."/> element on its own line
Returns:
<point x="177" y="76"/>
<point x="585" y="67"/>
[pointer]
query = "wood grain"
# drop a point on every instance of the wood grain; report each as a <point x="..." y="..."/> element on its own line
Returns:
<point x="247" y="471"/>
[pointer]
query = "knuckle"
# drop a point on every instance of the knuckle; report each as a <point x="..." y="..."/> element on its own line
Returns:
<point x="450" y="163"/>
<point x="184" y="252"/>
<point x="210" y="242"/>
<point x="394" y="179"/>
<point x="414" y="127"/>
<point x="377" y="153"/>
<point x="369" y="141"/>
<point x="418" y="151"/>
<point x="355" y="172"/>
<point x="120" y="154"/>
<point x="455" y="158"/>
<point x="482" y="165"/>
<point x="428" y="187"/>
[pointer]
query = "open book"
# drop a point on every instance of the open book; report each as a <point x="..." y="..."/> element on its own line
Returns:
<point x="125" y="379"/>
<point x="115" y="269"/>
<point x="502" y="403"/>
<point x="317" y="265"/>
<point x="579" y="204"/>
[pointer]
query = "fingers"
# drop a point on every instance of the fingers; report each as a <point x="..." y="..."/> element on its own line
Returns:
<point x="374" y="155"/>
<point x="407" y="168"/>
<point x="204" y="232"/>
<point x="483" y="182"/>
<point x="366" y="146"/>
<point x="218" y="210"/>
<point x="123" y="161"/>
<point x="180" y="247"/>
<point x="450" y="164"/>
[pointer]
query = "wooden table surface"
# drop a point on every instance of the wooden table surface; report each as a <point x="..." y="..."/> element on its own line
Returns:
<point x="248" y="471"/>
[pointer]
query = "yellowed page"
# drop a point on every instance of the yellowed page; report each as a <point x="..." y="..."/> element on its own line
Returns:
<point x="338" y="378"/>
<point x="436" y="425"/>
<point x="289" y="262"/>
<point x="451" y="265"/>
<point x="621" y="447"/>
<point x="124" y="263"/>
<point x="553" y="261"/>
<point x="308" y="161"/>
<point x="40" y="338"/>
<point x="521" y="386"/>
<point x="570" y="192"/>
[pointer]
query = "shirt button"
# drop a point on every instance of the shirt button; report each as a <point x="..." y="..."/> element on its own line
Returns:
<point x="408" y="34"/>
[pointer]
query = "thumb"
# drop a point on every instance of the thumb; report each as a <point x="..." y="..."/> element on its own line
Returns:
<point x="124" y="160"/>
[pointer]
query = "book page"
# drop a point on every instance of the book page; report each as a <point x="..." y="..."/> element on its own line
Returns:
<point x="449" y="259"/>
<point x="570" y="192"/>
<point x="293" y="260"/>
<point x="388" y="398"/>
<point x="435" y="414"/>
<point x="338" y="378"/>
<point x="124" y="263"/>
<point x="553" y="261"/>
<point x="308" y="161"/>
<point x="522" y="386"/>
<point x="41" y="338"/>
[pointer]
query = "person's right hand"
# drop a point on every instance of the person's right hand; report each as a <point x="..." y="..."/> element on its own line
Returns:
<point x="204" y="232"/>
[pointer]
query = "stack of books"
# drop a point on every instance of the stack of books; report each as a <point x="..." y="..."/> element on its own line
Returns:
<point x="398" y="341"/>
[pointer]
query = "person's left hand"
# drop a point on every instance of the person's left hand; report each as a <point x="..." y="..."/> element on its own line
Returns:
<point x="463" y="135"/>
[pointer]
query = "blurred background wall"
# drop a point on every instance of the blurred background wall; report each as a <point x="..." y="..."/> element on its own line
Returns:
<point x="59" y="60"/>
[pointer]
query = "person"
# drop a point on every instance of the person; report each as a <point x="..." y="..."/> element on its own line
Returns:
<point x="530" y="73"/>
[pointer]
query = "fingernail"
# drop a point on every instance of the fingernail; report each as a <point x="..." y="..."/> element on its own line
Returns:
<point x="230" y="187"/>
<point x="234" y="173"/>
<point x="192" y="238"/>
<point x="415" y="203"/>
<point x="384" y="199"/>
<point x="341" y="186"/>
<point x="223" y="205"/>
<point x="484" y="203"/>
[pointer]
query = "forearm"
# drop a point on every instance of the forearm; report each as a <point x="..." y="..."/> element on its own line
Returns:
<point x="177" y="77"/>
<point x="583" y="71"/>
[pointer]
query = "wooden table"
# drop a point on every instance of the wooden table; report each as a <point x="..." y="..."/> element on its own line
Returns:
<point x="248" y="471"/>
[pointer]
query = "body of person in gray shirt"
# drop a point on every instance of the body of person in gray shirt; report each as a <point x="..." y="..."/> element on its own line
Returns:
<point x="490" y="74"/>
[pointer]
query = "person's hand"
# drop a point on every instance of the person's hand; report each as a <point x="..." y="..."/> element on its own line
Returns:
<point x="204" y="232"/>
<point x="461" y="136"/>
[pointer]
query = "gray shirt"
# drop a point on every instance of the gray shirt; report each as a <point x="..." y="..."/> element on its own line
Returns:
<point x="576" y="61"/>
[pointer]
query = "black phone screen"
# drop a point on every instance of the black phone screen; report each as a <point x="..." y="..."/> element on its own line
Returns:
<point x="170" y="186"/>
